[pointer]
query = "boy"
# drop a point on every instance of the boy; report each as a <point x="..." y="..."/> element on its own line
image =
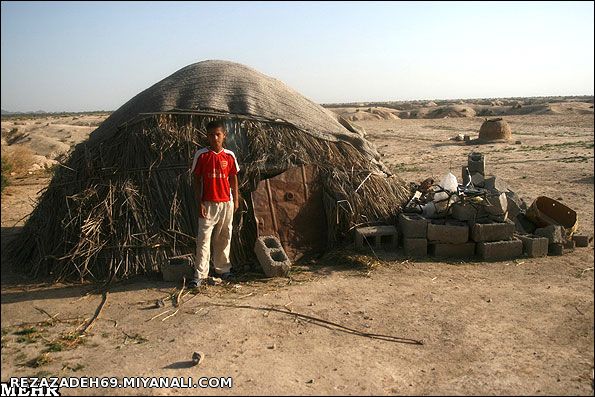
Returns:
<point x="215" y="172"/>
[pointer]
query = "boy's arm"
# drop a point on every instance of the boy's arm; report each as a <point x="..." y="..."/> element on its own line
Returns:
<point x="233" y="181"/>
<point x="202" y="211"/>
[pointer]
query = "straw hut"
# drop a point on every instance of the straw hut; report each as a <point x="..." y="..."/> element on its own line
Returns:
<point x="495" y="130"/>
<point x="122" y="203"/>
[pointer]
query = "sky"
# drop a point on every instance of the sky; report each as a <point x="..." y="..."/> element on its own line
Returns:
<point x="86" y="56"/>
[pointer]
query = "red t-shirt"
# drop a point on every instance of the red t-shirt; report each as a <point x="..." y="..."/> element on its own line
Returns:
<point x="215" y="169"/>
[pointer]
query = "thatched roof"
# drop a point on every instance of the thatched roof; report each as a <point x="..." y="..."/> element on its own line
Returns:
<point x="230" y="87"/>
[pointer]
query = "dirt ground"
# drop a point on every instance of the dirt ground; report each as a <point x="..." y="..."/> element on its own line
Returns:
<point x="521" y="327"/>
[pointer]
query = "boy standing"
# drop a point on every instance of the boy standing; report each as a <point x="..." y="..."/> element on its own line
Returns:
<point x="215" y="172"/>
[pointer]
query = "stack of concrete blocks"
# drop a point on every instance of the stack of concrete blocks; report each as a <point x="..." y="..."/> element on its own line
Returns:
<point x="475" y="170"/>
<point x="272" y="256"/>
<point x="496" y="241"/>
<point x="414" y="229"/>
<point x="377" y="237"/>
<point x="450" y="239"/>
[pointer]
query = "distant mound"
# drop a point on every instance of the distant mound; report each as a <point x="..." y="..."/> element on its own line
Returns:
<point x="452" y="111"/>
<point x="366" y="114"/>
<point x="486" y="107"/>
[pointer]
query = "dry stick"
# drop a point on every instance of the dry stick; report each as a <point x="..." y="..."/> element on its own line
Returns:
<point x="53" y="318"/>
<point x="171" y="315"/>
<point x="176" y="302"/>
<point x="326" y="324"/>
<point x="159" y="315"/>
<point x="97" y="312"/>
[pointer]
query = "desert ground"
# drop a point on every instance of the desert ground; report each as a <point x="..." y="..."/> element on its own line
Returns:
<point x="380" y="324"/>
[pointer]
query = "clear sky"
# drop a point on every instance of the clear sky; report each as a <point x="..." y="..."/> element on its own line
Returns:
<point x="79" y="56"/>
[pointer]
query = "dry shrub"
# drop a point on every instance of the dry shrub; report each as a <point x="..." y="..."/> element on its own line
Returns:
<point x="20" y="158"/>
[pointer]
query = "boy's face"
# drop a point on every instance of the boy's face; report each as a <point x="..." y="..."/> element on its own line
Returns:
<point x="216" y="137"/>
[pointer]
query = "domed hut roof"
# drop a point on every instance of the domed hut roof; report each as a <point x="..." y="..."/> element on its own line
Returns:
<point x="123" y="202"/>
<point x="495" y="130"/>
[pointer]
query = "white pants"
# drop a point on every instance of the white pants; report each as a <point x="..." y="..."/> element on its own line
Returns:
<point x="215" y="229"/>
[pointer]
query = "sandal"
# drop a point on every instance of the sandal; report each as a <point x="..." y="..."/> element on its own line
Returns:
<point x="194" y="283"/>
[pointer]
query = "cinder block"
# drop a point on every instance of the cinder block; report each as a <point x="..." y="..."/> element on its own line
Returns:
<point x="178" y="268"/>
<point x="413" y="226"/>
<point x="451" y="232"/>
<point x="515" y="204"/>
<point x="494" y="231"/>
<point x="476" y="163"/>
<point x="500" y="250"/>
<point x="465" y="250"/>
<point x="582" y="240"/>
<point x="272" y="257"/>
<point x="555" y="249"/>
<point x="569" y="245"/>
<point x="534" y="247"/>
<point x="523" y="224"/>
<point x="467" y="212"/>
<point x="496" y="204"/>
<point x="554" y="233"/>
<point x="489" y="183"/>
<point x="415" y="247"/>
<point x="385" y="237"/>
<point x="478" y="179"/>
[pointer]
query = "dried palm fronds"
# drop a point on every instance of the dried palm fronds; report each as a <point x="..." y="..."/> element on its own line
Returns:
<point x="124" y="205"/>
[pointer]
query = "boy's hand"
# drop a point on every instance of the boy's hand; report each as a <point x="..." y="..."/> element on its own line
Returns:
<point x="236" y="205"/>
<point x="203" y="211"/>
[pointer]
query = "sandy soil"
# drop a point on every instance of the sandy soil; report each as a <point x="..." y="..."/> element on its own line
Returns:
<point x="516" y="327"/>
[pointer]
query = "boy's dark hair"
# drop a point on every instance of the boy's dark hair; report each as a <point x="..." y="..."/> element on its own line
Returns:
<point x="215" y="124"/>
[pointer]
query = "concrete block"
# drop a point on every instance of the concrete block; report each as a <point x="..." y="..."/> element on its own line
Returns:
<point x="476" y="163"/>
<point x="534" y="247"/>
<point x="415" y="247"/>
<point x="272" y="256"/>
<point x="385" y="237"/>
<point x="582" y="240"/>
<point x="477" y="179"/>
<point x="452" y="232"/>
<point x="494" y="231"/>
<point x="569" y="245"/>
<point x="523" y="224"/>
<point x="496" y="204"/>
<point x="441" y="250"/>
<point x="413" y="226"/>
<point x="499" y="218"/>
<point x="489" y="183"/>
<point x="555" y="249"/>
<point x="500" y="250"/>
<point x="178" y="268"/>
<point x="463" y="212"/>
<point x="554" y="233"/>
<point x="515" y="205"/>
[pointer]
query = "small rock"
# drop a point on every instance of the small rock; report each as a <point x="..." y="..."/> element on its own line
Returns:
<point x="197" y="358"/>
<point x="310" y="381"/>
<point x="518" y="143"/>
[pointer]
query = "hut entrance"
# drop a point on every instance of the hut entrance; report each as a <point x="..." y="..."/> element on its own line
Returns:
<point x="290" y="206"/>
